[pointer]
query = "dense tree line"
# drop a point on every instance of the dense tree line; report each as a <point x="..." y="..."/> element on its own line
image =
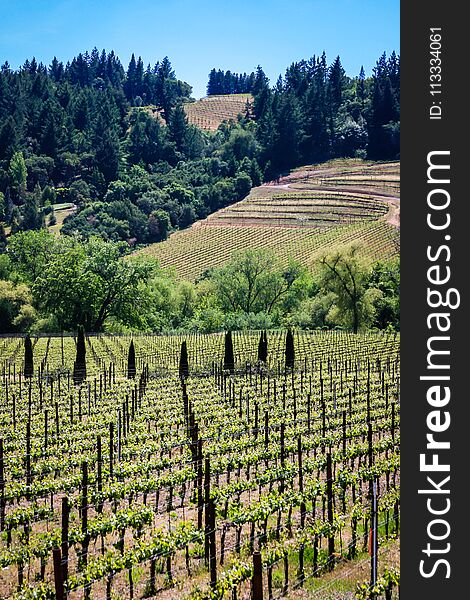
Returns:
<point x="315" y="112"/>
<point x="117" y="145"/>
<point x="226" y="82"/>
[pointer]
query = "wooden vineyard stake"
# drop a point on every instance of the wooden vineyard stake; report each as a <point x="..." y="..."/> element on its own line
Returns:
<point x="46" y="414"/>
<point x="58" y="578"/>
<point x="266" y="429"/>
<point x="2" y="488"/>
<point x="99" y="473"/>
<point x="309" y="400"/>
<point x="212" y="545"/>
<point x="374" y="546"/>
<point x="282" y="455"/>
<point x="200" y="497"/>
<point x="301" y="481"/>
<point x="111" y="449"/>
<point x="84" y="513"/>
<point x="303" y="510"/>
<point x="65" y="537"/>
<point x="329" y="492"/>
<point x="29" y="479"/>
<point x="207" y="489"/>
<point x="257" y="580"/>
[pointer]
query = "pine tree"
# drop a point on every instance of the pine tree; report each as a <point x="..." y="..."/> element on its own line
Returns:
<point x="229" y="361"/>
<point x="8" y="138"/>
<point x="361" y="88"/>
<point x="290" y="352"/>
<point x="130" y="85"/>
<point x="33" y="217"/>
<point x="336" y="83"/>
<point x="28" y="357"/>
<point x="211" y="85"/>
<point x="178" y="127"/>
<point x="184" y="363"/>
<point x="131" y="369"/>
<point x="79" y="367"/>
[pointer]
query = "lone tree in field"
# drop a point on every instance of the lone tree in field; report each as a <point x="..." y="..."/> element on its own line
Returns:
<point x="343" y="274"/>
<point x="131" y="370"/>
<point x="290" y="352"/>
<point x="263" y="347"/>
<point x="28" y="357"/>
<point x="229" y="361"/>
<point x="184" y="363"/>
<point x="79" y="367"/>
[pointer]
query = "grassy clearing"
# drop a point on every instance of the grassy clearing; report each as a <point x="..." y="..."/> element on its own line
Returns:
<point x="61" y="211"/>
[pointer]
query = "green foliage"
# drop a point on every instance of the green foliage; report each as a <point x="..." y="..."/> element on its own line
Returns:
<point x="343" y="275"/>
<point x="252" y="282"/>
<point x="18" y="172"/>
<point x="89" y="283"/>
<point x="108" y="139"/>
<point x="16" y="311"/>
<point x="386" y="278"/>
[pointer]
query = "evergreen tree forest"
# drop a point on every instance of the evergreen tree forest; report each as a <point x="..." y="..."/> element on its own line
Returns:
<point x="226" y="82"/>
<point x="116" y="142"/>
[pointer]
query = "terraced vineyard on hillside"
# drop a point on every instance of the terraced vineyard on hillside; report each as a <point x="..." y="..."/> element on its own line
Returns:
<point x="311" y="211"/>
<point x="208" y="113"/>
<point x="193" y="251"/>
<point x="191" y="489"/>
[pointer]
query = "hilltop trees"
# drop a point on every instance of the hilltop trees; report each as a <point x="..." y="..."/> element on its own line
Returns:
<point x="316" y="112"/>
<point x="76" y="134"/>
<point x="226" y="82"/>
<point x="385" y="111"/>
<point x="81" y="131"/>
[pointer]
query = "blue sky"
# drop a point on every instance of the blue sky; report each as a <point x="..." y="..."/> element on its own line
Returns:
<point x="200" y="34"/>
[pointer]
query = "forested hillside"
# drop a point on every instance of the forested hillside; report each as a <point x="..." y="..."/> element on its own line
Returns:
<point x="116" y="142"/>
<point x="96" y="161"/>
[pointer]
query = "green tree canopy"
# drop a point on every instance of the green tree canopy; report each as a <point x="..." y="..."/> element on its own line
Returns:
<point x="346" y="277"/>
<point x="88" y="283"/>
<point x="254" y="282"/>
